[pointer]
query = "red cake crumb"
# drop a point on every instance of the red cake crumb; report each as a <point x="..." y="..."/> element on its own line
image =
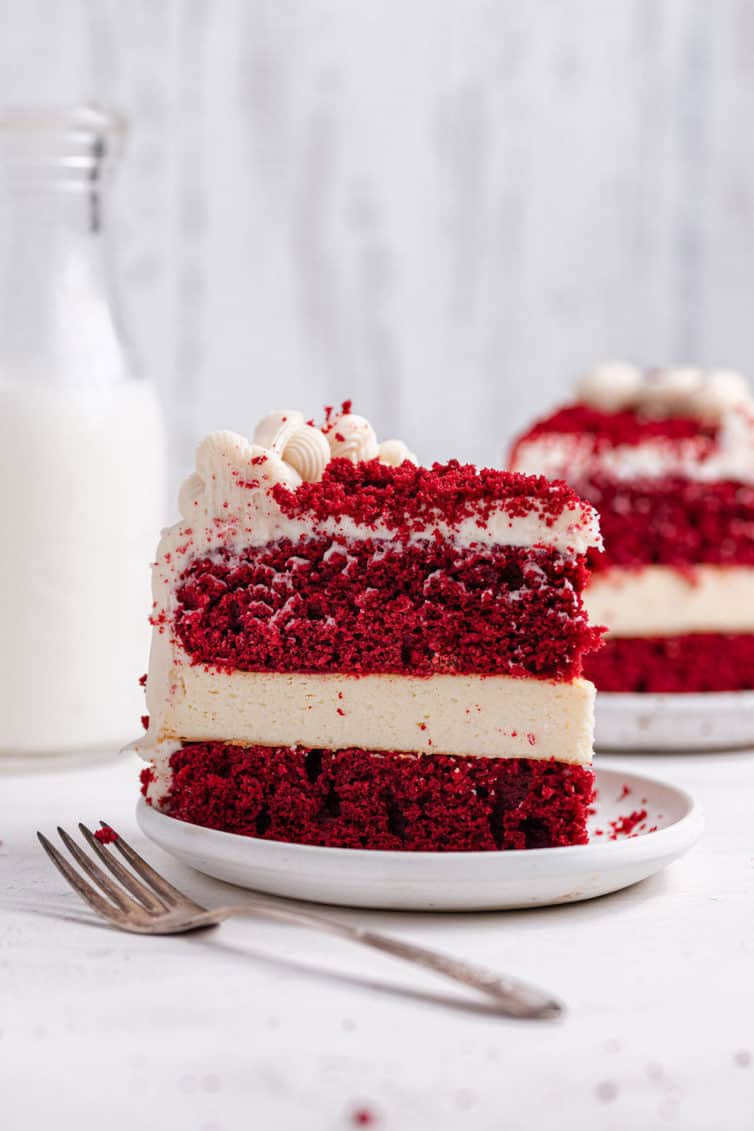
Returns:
<point x="143" y="680"/>
<point x="146" y="777"/>
<point x="314" y="605"/>
<point x="672" y="521"/>
<point x="408" y="499"/>
<point x="145" y="721"/>
<point x="363" y="1117"/>
<point x="355" y="798"/>
<point x="106" y="835"/>
<point x="690" y="663"/>
<point x="626" y="826"/>
<point x="606" y="1091"/>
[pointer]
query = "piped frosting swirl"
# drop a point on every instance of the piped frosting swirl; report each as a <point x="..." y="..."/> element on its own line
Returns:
<point x="681" y="391"/>
<point x="352" y="437"/>
<point x="284" y="449"/>
<point x="394" y="452"/>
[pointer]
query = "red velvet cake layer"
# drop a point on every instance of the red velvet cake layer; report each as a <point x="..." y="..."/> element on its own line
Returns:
<point x="361" y="799"/>
<point x="422" y="608"/>
<point x="696" y="662"/>
<point x="672" y="521"/>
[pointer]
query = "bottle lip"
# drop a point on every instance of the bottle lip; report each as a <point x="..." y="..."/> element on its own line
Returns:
<point x="71" y="142"/>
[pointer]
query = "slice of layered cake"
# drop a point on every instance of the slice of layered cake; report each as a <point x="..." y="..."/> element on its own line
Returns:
<point x="353" y="650"/>
<point x="667" y="458"/>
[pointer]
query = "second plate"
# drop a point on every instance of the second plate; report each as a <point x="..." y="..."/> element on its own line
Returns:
<point x="716" y="720"/>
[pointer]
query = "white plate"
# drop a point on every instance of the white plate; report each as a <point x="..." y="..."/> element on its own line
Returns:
<point x="716" y="720"/>
<point x="451" y="881"/>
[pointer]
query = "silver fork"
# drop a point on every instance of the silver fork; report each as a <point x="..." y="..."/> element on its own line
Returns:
<point x="155" y="907"/>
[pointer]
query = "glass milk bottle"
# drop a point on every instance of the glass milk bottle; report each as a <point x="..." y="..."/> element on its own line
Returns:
<point x="81" y="449"/>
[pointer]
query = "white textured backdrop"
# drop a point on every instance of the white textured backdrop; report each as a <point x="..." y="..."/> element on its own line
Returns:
<point x="444" y="208"/>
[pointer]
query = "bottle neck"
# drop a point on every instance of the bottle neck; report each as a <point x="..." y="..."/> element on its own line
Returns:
<point x="58" y="320"/>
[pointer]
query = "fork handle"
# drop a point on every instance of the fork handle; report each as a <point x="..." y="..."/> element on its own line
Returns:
<point x="513" y="997"/>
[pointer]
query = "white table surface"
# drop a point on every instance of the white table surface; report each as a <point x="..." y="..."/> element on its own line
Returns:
<point x="260" y="1026"/>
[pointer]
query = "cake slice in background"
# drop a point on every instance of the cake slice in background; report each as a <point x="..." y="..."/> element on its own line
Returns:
<point x="667" y="458"/>
<point x="352" y="650"/>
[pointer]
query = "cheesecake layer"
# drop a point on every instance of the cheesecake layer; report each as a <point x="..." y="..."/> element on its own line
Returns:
<point x="662" y="601"/>
<point x="486" y="716"/>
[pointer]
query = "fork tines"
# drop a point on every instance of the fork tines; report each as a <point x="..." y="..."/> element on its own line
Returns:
<point x="127" y="901"/>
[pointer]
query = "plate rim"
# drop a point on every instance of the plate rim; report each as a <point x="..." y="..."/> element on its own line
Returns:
<point x="688" y="829"/>
<point x="697" y="698"/>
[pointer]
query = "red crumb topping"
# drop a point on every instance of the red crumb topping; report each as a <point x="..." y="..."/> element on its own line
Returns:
<point x="314" y="605"/>
<point x="346" y="408"/>
<point x="695" y="662"/>
<point x="409" y="499"/>
<point x="672" y="521"/>
<point x="611" y="429"/>
<point x="381" y="800"/>
<point x="143" y="680"/>
<point x="106" y="835"/>
<point x="145" y="721"/>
